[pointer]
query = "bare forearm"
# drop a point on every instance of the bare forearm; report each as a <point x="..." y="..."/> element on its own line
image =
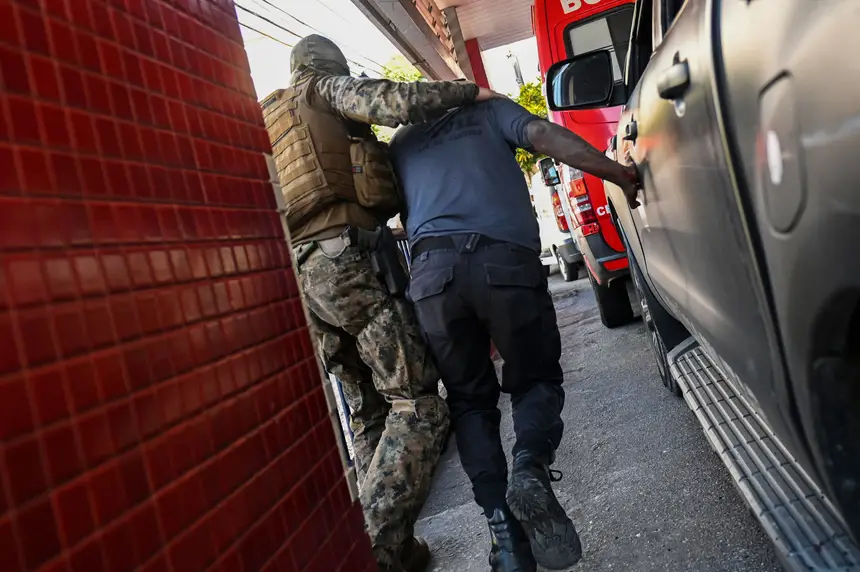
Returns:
<point x="569" y="148"/>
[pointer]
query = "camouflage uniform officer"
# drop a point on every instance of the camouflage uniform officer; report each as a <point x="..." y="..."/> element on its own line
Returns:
<point x="336" y="179"/>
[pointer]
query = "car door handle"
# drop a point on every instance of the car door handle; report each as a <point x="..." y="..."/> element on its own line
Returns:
<point x="631" y="131"/>
<point x="675" y="81"/>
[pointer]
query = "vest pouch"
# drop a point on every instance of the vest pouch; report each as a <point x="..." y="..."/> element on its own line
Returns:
<point x="375" y="186"/>
<point x="303" y="184"/>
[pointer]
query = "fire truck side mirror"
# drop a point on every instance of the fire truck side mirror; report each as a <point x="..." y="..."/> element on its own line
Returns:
<point x="582" y="82"/>
<point x="549" y="172"/>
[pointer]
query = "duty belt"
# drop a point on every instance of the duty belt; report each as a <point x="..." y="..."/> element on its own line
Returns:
<point x="448" y="243"/>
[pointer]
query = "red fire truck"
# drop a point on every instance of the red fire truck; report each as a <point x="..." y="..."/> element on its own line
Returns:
<point x="563" y="29"/>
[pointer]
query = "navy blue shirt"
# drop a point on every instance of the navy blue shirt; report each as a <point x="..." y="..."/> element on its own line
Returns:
<point x="459" y="174"/>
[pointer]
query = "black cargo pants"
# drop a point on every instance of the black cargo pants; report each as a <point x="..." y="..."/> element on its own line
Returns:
<point x="469" y="290"/>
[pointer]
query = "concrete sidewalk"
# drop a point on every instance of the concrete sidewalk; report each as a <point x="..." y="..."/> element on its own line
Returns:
<point x="640" y="481"/>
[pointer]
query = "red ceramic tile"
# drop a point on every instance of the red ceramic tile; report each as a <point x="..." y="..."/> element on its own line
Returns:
<point x="93" y="176"/>
<point x="61" y="452"/>
<point x="108" y="493"/>
<point x="57" y="8"/>
<point x="81" y="385"/>
<point x="141" y="185"/>
<point x="74" y="89"/>
<point x="170" y="400"/>
<point x="89" y="273"/>
<point x="97" y="322"/>
<point x="137" y="366"/>
<point x="46" y="386"/>
<point x="147" y="308"/>
<point x="120" y="98"/>
<point x="110" y="58"/>
<point x="88" y="556"/>
<point x="110" y="372"/>
<point x="27" y="480"/>
<point x="150" y="417"/>
<point x="24" y="121"/>
<point x="124" y="315"/>
<point x="36" y="175"/>
<point x="60" y="278"/>
<point x="114" y="264"/>
<point x="101" y="19"/>
<point x="65" y="170"/>
<point x="16" y="417"/>
<point x="8" y="25"/>
<point x="106" y="133"/>
<point x="134" y="477"/>
<point x="26" y="282"/>
<point x="146" y="532"/>
<point x="70" y="330"/>
<point x="132" y="67"/>
<point x="9" y="182"/>
<point x="38" y="534"/>
<point x="83" y="132"/>
<point x="79" y="13"/>
<point x="9" y="559"/>
<point x="159" y="356"/>
<point x="36" y="336"/>
<point x="32" y="29"/>
<point x="98" y="96"/>
<point x="89" y="53"/>
<point x="119" y="549"/>
<point x="94" y="433"/>
<point x="123" y="429"/>
<point x="138" y="263"/>
<point x="14" y="70"/>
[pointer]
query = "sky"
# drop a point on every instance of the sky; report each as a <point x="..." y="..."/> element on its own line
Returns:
<point x="341" y="21"/>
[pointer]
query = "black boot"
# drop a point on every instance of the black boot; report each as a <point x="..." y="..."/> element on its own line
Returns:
<point x="415" y="555"/>
<point x="553" y="538"/>
<point x="510" y="550"/>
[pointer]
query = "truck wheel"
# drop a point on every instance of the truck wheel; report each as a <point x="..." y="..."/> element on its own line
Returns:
<point x="613" y="302"/>
<point x="662" y="327"/>
<point x="657" y="344"/>
<point x="568" y="271"/>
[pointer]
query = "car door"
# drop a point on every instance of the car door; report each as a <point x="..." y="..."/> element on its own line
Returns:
<point x="639" y="135"/>
<point x="690" y="191"/>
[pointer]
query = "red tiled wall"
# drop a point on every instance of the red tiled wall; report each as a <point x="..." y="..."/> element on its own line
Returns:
<point x="160" y="407"/>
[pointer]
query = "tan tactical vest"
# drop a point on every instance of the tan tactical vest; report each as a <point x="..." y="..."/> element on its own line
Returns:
<point x="332" y="172"/>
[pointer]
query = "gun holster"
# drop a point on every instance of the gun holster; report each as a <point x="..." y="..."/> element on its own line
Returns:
<point x="384" y="257"/>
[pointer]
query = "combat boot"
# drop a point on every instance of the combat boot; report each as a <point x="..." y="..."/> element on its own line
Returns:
<point x="415" y="555"/>
<point x="553" y="538"/>
<point x="509" y="551"/>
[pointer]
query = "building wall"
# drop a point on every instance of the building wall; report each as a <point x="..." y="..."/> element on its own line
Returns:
<point x="160" y="405"/>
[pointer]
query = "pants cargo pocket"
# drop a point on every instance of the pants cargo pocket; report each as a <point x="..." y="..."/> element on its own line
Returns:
<point x="516" y="289"/>
<point x="425" y="292"/>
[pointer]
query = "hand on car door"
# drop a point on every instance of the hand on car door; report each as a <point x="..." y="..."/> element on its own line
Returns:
<point x="632" y="188"/>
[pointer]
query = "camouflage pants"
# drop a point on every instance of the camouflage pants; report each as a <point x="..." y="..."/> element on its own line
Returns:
<point x="371" y="342"/>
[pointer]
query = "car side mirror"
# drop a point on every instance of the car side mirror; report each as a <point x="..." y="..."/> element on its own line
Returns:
<point x="549" y="172"/>
<point x="582" y="82"/>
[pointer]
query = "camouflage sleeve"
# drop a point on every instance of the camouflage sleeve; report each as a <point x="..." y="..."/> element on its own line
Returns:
<point x="392" y="103"/>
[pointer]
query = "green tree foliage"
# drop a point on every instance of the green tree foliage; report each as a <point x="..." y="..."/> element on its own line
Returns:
<point x="530" y="97"/>
<point x="398" y="68"/>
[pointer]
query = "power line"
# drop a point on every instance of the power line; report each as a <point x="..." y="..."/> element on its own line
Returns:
<point x="273" y="38"/>
<point x="292" y="33"/>
<point x="315" y="29"/>
<point x="264" y="34"/>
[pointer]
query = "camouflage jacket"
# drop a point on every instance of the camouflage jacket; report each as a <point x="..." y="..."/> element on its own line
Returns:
<point x="390" y="103"/>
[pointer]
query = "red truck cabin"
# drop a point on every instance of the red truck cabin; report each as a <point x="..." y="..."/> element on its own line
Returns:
<point x="563" y="29"/>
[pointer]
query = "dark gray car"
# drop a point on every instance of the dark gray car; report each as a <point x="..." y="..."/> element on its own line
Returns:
<point x="744" y="118"/>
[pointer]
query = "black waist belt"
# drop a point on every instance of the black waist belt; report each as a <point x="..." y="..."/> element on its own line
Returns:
<point x="447" y="243"/>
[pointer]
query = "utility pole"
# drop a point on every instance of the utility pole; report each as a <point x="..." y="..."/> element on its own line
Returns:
<point x="517" y="71"/>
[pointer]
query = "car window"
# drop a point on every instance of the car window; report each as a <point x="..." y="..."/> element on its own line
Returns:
<point x="608" y="30"/>
<point x="641" y="44"/>
<point x="671" y="8"/>
<point x="664" y="15"/>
